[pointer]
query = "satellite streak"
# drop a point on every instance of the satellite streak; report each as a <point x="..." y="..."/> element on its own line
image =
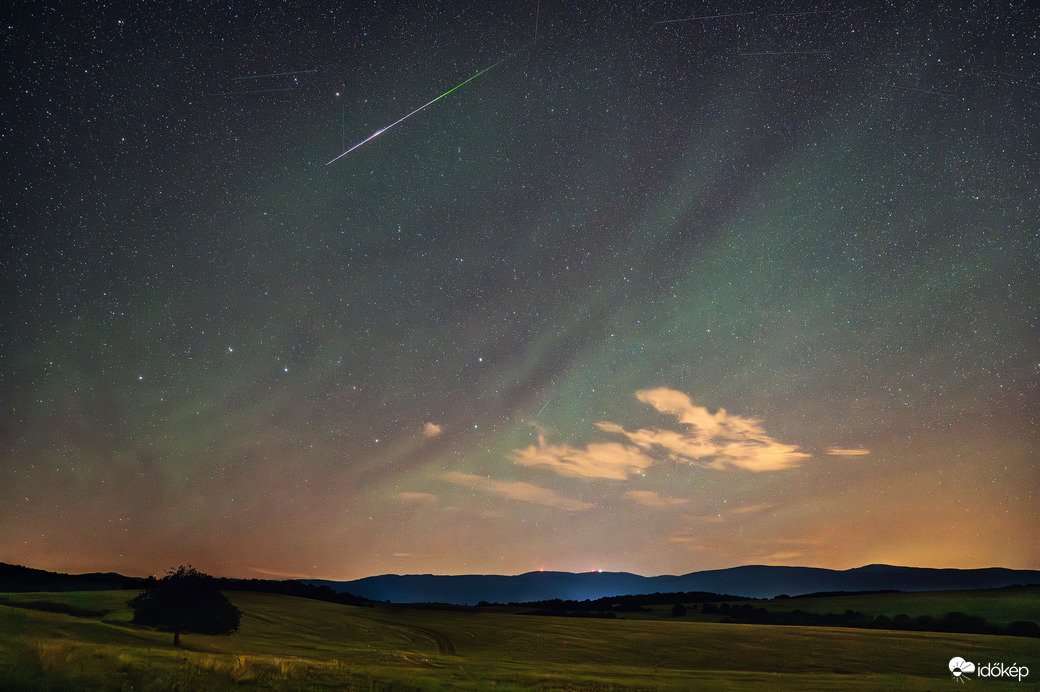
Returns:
<point x="707" y="16"/>
<point x="252" y="91"/>
<point x="789" y="52"/>
<point x="273" y="74"/>
<point x="799" y="14"/>
<point x="428" y="103"/>
<point x="918" y="90"/>
<point x="543" y="407"/>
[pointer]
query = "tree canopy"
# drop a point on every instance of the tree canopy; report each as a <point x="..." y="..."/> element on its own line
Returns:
<point x="185" y="600"/>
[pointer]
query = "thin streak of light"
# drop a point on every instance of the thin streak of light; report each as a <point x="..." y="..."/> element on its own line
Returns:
<point x="790" y="52"/>
<point x="273" y="74"/>
<point x="707" y="16"/>
<point x="254" y="91"/>
<point x="543" y="407"/>
<point x="1006" y="78"/>
<point x="921" y="91"/>
<point x="428" y="103"/>
<point x="798" y="14"/>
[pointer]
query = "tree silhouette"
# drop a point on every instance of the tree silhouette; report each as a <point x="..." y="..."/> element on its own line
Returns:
<point x="185" y="600"/>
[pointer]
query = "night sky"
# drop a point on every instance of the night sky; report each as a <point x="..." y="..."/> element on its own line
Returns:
<point x="758" y="287"/>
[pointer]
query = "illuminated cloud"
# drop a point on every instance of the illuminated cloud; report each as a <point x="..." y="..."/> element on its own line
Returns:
<point x="515" y="490"/>
<point x="752" y="509"/>
<point x="416" y="498"/>
<point x="711" y="440"/>
<point x="693" y="542"/>
<point x="785" y="556"/>
<point x="602" y="460"/>
<point x="651" y="499"/>
<point x="704" y="519"/>
<point x="431" y="430"/>
<point x="839" y="452"/>
<point x="280" y="575"/>
<point x="723" y="518"/>
<point x="714" y="440"/>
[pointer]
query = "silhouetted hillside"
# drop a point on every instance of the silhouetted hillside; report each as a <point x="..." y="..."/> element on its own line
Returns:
<point x="18" y="578"/>
<point x="753" y="581"/>
<point x="15" y="578"/>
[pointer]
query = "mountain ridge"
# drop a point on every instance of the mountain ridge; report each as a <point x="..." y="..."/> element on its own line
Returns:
<point x="753" y="581"/>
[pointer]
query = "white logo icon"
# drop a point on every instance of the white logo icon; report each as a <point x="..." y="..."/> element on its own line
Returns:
<point x="958" y="666"/>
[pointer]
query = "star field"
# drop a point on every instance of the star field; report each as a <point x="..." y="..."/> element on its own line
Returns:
<point x="758" y="286"/>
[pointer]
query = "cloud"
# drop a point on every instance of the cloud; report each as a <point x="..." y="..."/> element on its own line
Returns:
<point x="416" y="498"/>
<point x="788" y="555"/>
<point x="692" y="541"/>
<point x="515" y="490"/>
<point x="808" y="540"/>
<point x="713" y="440"/>
<point x="283" y="575"/>
<point x="751" y="509"/>
<point x="649" y="498"/>
<point x="602" y="460"/>
<point x="704" y="519"/>
<point x="721" y="518"/>
<point x="432" y="430"/>
<point x="839" y="452"/>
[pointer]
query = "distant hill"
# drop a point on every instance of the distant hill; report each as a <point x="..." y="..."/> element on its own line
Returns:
<point x="753" y="581"/>
<point x="18" y="578"/>
<point x="15" y="578"/>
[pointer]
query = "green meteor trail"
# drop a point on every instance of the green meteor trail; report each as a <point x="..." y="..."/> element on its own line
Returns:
<point x="429" y="103"/>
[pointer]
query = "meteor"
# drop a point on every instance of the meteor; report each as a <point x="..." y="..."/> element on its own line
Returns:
<point x="428" y="103"/>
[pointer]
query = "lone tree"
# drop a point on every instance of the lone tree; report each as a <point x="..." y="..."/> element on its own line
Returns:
<point x="185" y="600"/>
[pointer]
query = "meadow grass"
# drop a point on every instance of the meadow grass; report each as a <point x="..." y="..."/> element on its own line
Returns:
<point x="293" y="643"/>
<point x="996" y="606"/>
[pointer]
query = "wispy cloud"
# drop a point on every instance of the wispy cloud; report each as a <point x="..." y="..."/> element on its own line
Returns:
<point x="704" y="518"/>
<point x="515" y="490"/>
<point x="752" y="509"/>
<point x="714" y="440"/>
<point x="840" y="452"/>
<point x="416" y="498"/>
<point x="283" y="575"/>
<point x="692" y="541"/>
<point x="726" y="515"/>
<point x="785" y="555"/>
<point x="651" y="499"/>
<point x="432" y="430"/>
<point x="711" y="440"/>
<point x="602" y="460"/>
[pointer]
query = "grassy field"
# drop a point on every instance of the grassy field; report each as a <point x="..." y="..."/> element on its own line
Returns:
<point x="292" y="643"/>
<point x="996" y="606"/>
